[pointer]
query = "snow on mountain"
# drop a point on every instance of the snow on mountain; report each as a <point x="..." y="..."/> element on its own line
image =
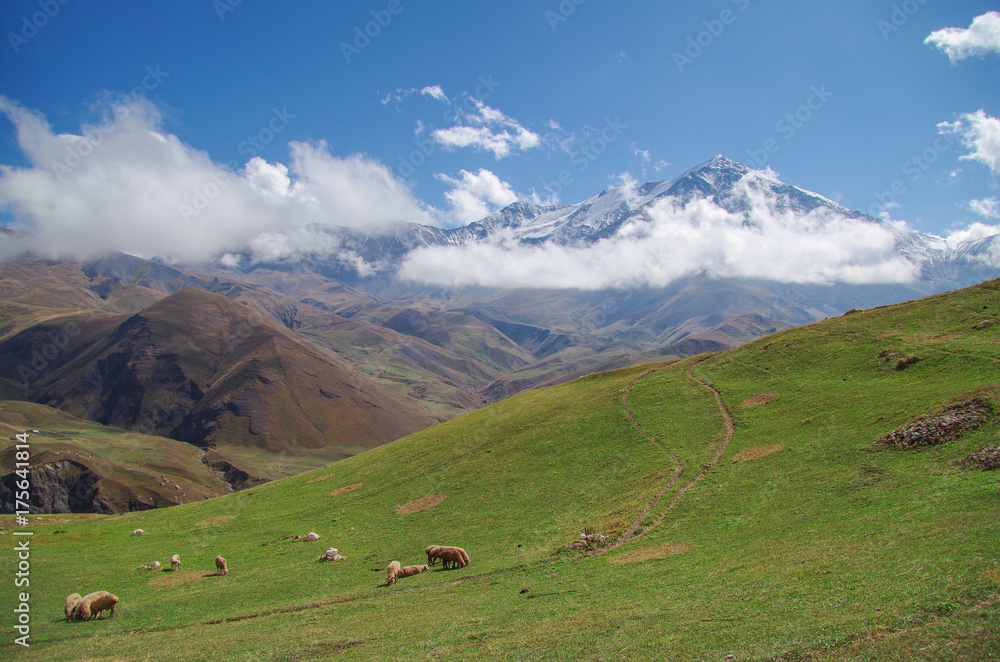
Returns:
<point x="722" y="208"/>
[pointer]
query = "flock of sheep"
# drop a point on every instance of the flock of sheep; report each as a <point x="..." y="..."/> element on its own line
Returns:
<point x="454" y="557"/>
<point x="90" y="606"/>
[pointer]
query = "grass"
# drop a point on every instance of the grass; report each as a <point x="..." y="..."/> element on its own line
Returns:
<point x="825" y="549"/>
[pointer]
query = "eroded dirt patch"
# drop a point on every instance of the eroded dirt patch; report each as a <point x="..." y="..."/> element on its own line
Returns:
<point x="651" y="553"/>
<point x="757" y="452"/>
<point x="212" y="521"/>
<point x="949" y="425"/>
<point x="759" y="399"/>
<point x="179" y="577"/>
<point x="423" y="503"/>
<point x="346" y="488"/>
<point x="316" y="480"/>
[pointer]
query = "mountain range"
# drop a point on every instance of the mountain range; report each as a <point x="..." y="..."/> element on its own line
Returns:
<point x="323" y="341"/>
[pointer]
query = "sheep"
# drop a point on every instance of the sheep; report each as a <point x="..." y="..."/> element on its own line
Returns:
<point x="175" y="562"/>
<point x="220" y="564"/>
<point x="391" y="572"/>
<point x="311" y="536"/>
<point x="454" y="557"/>
<point x="410" y="570"/>
<point x="431" y="554"/>
<point x="331" y="555"/>
<point x="138" y="532"/>
<point x="92" y="604"/>
<point x="72" y="600"/>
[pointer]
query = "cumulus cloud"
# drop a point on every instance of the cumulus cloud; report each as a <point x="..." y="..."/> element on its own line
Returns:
<point x="678" y="240"/>
<point x="125" y="184"/>
<point x="980" y="133"/>
<point x="981" y="38"/>
<point x="487" y="129"/>
<point x="476" y="195"/>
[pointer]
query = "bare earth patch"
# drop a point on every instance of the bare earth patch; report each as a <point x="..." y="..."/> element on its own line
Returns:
<point x="651" y="553"/>
<point x="759" y="399"/>
<point x="757" y="452"/>
<point x="211" y="521"/>
<point x="346" y="488"/>
<point x="929" y="337"/>
<point x="179" y="577"/>
<point x="316" y="480"/>
<point x="423" y="503"/>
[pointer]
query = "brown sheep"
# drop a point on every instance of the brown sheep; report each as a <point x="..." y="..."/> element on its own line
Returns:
<point x="391" y="572"/>
<point x="220" y="564"/>
<point x="410" y="570"/>
<point x="175" y="562"/>
<point x="431" y="554"/>
<point x="454" y="557"/>
<point x="92" y="604"/>
<point x="72" y="600"/>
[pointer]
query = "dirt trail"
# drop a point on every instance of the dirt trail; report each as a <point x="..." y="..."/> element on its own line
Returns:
<point x="630" y="533"/>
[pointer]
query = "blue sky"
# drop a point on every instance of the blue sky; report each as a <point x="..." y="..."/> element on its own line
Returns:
<point x="450" y="109"/>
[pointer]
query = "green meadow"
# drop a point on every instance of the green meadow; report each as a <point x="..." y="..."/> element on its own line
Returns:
<point x="798" y="538"/>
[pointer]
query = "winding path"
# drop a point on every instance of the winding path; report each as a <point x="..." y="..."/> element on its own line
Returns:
<point x="630" y="533"/>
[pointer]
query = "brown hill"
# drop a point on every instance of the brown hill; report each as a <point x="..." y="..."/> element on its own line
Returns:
<point x="202" y="368"/>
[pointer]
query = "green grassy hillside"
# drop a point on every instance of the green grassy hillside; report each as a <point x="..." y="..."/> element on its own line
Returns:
<point x="790" y="535"/>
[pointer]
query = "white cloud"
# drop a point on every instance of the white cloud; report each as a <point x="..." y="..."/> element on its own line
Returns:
<point x="487" y="129"/>
<point x="128" y="185"/>
<point x="974" y="232"/>
<point x="476" y="195"/>
<point x="980" y="133"/>
<point x="981" y="38"/>
<point x="988" y="207"/>
<point x="680" y="240"/>
<point x="435" y="92"/>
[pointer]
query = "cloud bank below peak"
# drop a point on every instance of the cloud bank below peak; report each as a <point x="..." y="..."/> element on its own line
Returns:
<point x="677" y="240"/>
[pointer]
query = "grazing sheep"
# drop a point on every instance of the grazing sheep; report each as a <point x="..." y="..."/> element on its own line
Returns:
<point x="391" y="572"/>
<point x="175" y="562"/>
<point x="138" y="532"/>
<point x="431" y="554"/>
<point x="410" y="570"/>
<point x="104" y="601"/>
<point x="92" y="604"/>
<point x="452" y="557"/>
<point x="220" y="564"/>
<point x="72" y="600"/>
